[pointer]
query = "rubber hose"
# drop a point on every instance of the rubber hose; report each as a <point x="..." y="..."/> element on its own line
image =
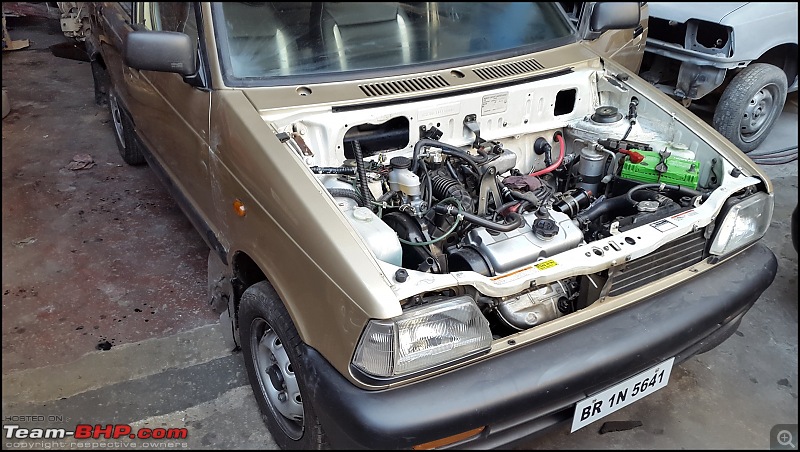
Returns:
<point x="445" y="187"/>
<point x="601" y="208"/>
<point x="562" y="151"/>
<point x="444" y="147"/>
<point x="523" y="206"/>
<point x="345" y="193"/>
<point x="463" y="156"/>
<point x="333" y="170"/>
<point x="516" y="219"/>
<point x="505" y="206"/>
<point x="649" y="195"/>
<point x="530" y="197"/>
<point x="428" y="184"/>
<point x="362" y="174"/>
<point x="627" y="132"/>
<point x="684" y="191"/>
<point x="451" y="170"/>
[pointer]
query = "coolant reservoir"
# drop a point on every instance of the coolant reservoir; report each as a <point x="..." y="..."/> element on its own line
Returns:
<point x="380" y="238"/>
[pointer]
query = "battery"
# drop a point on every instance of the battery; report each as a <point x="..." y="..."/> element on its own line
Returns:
<point x="678" y="171"/>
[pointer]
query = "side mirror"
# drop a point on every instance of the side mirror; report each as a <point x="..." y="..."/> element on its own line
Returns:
<point x="162" y="51"/>
<point x="614" y="16"/>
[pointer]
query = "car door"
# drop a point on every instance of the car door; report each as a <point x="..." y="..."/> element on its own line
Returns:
<point x="111" y="23"/>
<point x="171" y="116"/>
<point x="626" y="47"/>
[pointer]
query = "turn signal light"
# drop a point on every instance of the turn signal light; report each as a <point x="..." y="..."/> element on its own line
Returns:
<point x="239" y="208"/>
<point x="449" y="440"/>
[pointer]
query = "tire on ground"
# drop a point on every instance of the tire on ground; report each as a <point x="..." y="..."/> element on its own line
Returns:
<point x="260" y="312"/>
<point x="736" y="100"/>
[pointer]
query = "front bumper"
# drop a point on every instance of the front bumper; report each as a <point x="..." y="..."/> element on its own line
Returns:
<point x="531" y="388"/>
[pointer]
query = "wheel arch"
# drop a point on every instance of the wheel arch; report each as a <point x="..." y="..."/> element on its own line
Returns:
<point x="228" y="279"/>
<point x="244" y="273"/>
<point x="100" y="77"/>
<point x="783" y="56"/>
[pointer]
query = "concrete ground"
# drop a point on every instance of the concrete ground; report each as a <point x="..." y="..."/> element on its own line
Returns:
<point x="104" y="297"/>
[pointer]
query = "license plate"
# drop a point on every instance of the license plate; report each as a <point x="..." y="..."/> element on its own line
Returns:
<point x="621" y="395"/>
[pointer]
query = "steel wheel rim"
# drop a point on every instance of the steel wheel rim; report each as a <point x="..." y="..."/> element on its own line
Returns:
<point x="116" y="117"/>
<point x="760" y="112"/>
<point x="269" y="357"/>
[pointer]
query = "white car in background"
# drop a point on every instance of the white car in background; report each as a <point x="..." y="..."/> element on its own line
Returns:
<point x="740" y="58"/>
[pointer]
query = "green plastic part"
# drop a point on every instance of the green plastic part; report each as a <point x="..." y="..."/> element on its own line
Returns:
<point x="672" y="170"/>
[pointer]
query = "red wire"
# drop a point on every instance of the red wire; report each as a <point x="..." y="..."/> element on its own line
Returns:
<point x="555" y="165"/>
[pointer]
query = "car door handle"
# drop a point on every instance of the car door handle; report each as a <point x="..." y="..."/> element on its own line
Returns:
<point x="638" y="31"/>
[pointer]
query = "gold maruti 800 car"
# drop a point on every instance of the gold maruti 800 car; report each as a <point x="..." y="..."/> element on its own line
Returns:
<point x="438" y="224"/>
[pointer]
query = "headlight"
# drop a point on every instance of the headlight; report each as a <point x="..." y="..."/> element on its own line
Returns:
<point x="422" y="338"/>
<point x="743" y="224"/>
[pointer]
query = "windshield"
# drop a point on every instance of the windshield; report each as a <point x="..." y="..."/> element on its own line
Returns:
<point x="279" y="41"/>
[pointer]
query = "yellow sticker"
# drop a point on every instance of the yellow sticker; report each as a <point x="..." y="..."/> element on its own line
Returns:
<point x="546" y="264"/>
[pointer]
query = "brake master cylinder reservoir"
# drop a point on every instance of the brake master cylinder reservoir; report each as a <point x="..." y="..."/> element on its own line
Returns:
<point x="402" y="179"/>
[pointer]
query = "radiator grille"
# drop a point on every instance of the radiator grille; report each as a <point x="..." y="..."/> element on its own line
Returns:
<point x="676" y="255"/>
<point x="505" y="70"/>
<point x="409" y="85"/>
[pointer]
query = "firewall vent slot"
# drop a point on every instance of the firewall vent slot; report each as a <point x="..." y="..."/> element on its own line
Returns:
<point x="509" y="69"/>
<point x="409" y="85"/>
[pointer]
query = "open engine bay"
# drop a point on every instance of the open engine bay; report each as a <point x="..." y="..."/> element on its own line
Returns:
<point x="535" y="199"/>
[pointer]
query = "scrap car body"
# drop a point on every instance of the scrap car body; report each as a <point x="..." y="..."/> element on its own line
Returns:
<point x="741" y="57"/>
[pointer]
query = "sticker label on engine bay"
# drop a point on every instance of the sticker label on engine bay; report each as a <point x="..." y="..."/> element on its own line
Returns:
<point x="663" y="225"/>
<point x="494" y="103"/>
<point x="688" y="213"/>
<point x="544" y="265"/>
<point x="513" y="276"/>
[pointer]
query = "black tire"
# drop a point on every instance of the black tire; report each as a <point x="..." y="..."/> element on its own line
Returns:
<point x="750" y="104"/>
<point x="268" y="337"/>
<point x="794" y="226"/>
<point x="123" y="131"/>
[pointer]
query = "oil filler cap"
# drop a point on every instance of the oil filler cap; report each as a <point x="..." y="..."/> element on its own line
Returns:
<point x="545" y="228"/>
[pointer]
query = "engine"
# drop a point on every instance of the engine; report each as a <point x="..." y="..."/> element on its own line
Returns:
<point x="491" y="209"/>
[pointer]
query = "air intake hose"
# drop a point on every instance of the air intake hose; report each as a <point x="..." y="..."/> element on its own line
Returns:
<point x="445" y="187"/>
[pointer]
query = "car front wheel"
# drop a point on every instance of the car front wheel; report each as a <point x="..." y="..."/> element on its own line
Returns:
<point x="276" y="373"/>
<point x="750" y="105"/>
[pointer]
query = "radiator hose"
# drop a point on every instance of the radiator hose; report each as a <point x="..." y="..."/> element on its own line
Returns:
<point x="515" y="218"/>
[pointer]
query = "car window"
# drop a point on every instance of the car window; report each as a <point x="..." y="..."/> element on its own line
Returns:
<point x="173" y="16"/>
<point x="263" y="40"/>
<point x="573" y="10"/>
<point x="127" y="7"/>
